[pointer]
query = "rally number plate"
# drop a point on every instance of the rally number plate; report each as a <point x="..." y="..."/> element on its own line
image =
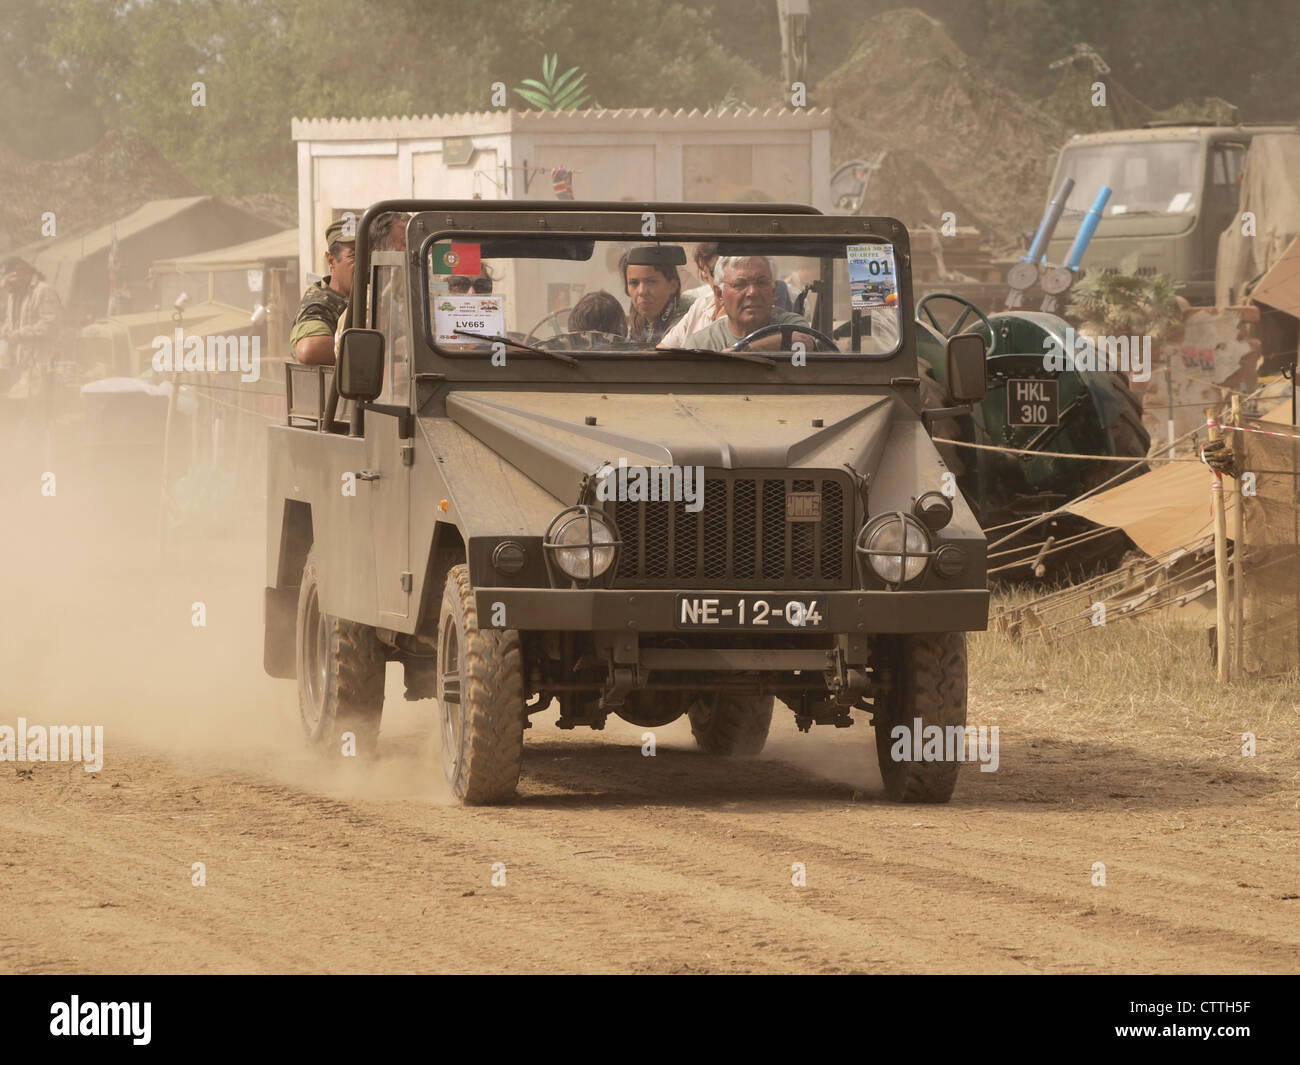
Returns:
<point x="1032" y="402"/>
<point x="747" y="612"/>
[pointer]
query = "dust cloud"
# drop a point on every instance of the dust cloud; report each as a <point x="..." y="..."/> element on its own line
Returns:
<point x="98" y="625"/>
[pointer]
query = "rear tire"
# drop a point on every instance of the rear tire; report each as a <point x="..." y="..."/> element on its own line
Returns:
<point x="929" y="682"/>
<point x="340" y="667"/>
<point x="731" y="724"/>
<point x="480" y="697"/>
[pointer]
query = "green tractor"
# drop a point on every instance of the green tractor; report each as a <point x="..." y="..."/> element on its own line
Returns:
<point x="1031" y="408"/>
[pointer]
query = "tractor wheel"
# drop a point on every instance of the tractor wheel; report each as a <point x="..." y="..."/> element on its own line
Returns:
<point x="929" y="684"/>
<point x="481" y="695"/>
<point x="731" y="724"/>
<point x="340" y="666"/>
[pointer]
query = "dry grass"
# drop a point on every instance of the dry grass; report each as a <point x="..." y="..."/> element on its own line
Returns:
<point x="1150" y="674"/>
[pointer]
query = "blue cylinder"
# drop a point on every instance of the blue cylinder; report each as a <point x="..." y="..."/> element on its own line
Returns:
<point x="1086" y="230"/>
<point x="1048" y="225"/>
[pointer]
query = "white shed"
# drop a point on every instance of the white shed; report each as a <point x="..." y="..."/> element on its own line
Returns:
<point x="634" y="154"/>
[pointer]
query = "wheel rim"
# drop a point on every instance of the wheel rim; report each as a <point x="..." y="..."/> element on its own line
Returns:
<point x="450" y="686"/>
<point x="316" y="664"/>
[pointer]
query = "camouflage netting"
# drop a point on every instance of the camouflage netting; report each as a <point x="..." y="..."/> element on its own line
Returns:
<point x="107" y="181"/>
<point x="902" y="186"/>
<point x="907" y="86"/>
<point x="1271" y="531"/>
<point x="908" y="91"/>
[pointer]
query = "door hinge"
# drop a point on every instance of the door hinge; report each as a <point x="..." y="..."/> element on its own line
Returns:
<point x="406" y="582"/>
<point x="408" y="454"/>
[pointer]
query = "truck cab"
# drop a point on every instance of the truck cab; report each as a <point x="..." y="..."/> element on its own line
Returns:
<point x="1175" y="188"/>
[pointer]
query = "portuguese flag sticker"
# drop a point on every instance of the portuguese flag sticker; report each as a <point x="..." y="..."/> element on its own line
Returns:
<point x="456" y="259"/>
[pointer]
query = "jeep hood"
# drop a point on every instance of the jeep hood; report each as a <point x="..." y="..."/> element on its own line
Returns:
<point x="558" y="438"/>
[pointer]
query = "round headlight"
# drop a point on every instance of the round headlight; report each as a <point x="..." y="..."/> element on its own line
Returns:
<point x="899" y="533"/>
<point x="582" y="545"/>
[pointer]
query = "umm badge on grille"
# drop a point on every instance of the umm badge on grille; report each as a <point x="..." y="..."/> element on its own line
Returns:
<point x="803" y="506"/>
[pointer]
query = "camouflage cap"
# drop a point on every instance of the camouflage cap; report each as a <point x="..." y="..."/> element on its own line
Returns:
<point x="341" y="231"/>
<point x="11" y="264"/>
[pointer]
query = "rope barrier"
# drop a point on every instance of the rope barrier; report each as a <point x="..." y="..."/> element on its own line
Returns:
<point x="1132" y="460"/>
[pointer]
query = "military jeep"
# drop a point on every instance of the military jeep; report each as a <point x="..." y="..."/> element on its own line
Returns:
<point x="524" y="515"/>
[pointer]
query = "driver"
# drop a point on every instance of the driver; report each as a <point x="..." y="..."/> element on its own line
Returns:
<point x="748" y="300"/>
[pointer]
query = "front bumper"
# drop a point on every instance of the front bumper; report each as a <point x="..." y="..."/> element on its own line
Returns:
<point x="638" y="610"/>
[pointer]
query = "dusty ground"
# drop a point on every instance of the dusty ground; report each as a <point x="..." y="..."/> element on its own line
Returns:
<point x="614" y="862"/>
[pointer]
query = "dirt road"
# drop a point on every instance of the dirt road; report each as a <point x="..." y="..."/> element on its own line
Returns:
<point x="612" y="861"/>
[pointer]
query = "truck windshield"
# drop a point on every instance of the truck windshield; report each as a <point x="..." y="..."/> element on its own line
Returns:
<point x="620" y="298"/>
<point x="1150" y="178"/>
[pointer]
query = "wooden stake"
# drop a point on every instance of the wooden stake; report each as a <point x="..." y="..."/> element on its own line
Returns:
<point x="1220" y="558"/>
<point x="1238" y="551"/>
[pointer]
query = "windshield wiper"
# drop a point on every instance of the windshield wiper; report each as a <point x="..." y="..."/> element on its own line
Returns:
<point x="491" y="338"/>
<point x="743" y="355"/>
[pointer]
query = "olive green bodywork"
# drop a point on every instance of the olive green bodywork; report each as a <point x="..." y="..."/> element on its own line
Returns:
<point x="495" y="452"/>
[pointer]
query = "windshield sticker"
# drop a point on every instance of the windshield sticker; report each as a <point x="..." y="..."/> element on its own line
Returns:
<point x="872" y="279"/>
<point x="474" y="314"/>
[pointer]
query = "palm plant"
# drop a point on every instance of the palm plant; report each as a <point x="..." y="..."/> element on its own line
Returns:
<point x="565" y="93"/>
<point x="1124" y="304"/>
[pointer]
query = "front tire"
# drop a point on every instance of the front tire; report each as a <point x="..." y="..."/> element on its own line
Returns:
<point x="929" y="683"/>
<point x="340" y="666"/>
<point x="481" y="699"/>
<point x="731" y="724"/>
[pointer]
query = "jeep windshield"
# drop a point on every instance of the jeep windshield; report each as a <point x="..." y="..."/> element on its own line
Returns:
<point x="604" y="298"/>
<point x="1144" y="178"/>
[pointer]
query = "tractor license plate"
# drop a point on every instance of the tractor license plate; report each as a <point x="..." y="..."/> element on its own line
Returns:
<point x="747" y="612"/>
<point x="1033" y="402"/>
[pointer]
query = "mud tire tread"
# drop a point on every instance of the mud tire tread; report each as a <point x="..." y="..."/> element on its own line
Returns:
<point x="736" y="725"/>
<point x="354" y="682"/>
<point x="931" y="684"/>
<point x="492" y="699"/>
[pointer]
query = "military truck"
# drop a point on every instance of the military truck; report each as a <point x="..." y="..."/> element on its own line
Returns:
<point x="596" y="523"/>
<point x="1175" y="187"/>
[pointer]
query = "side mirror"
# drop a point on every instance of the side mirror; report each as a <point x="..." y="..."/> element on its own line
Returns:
<point x="657" y="255"/>
<point x="967" y="377"/>
<point x="360" y="372"/>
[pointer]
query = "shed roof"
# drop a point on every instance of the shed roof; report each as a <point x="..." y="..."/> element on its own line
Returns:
<point x="588" y="120"/>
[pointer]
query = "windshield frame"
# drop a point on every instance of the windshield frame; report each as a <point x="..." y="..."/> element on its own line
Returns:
<point x="663" y="237"/>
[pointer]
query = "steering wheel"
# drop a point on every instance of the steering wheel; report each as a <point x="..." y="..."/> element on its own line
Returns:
<point x="956" y="326"/>
<point x="590" y="340"/>
<point x="553" y="318"/>
<point x="787" y="331"/>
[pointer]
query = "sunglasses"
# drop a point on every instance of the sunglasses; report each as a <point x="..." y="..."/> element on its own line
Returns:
<point x="480" y="285"/>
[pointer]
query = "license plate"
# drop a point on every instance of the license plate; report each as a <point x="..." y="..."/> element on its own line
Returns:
<point x="1033" y="403"/>
<point x="747" y="612"/>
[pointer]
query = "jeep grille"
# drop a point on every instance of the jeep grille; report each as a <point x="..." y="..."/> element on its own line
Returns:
<point x="741" y="538"/>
